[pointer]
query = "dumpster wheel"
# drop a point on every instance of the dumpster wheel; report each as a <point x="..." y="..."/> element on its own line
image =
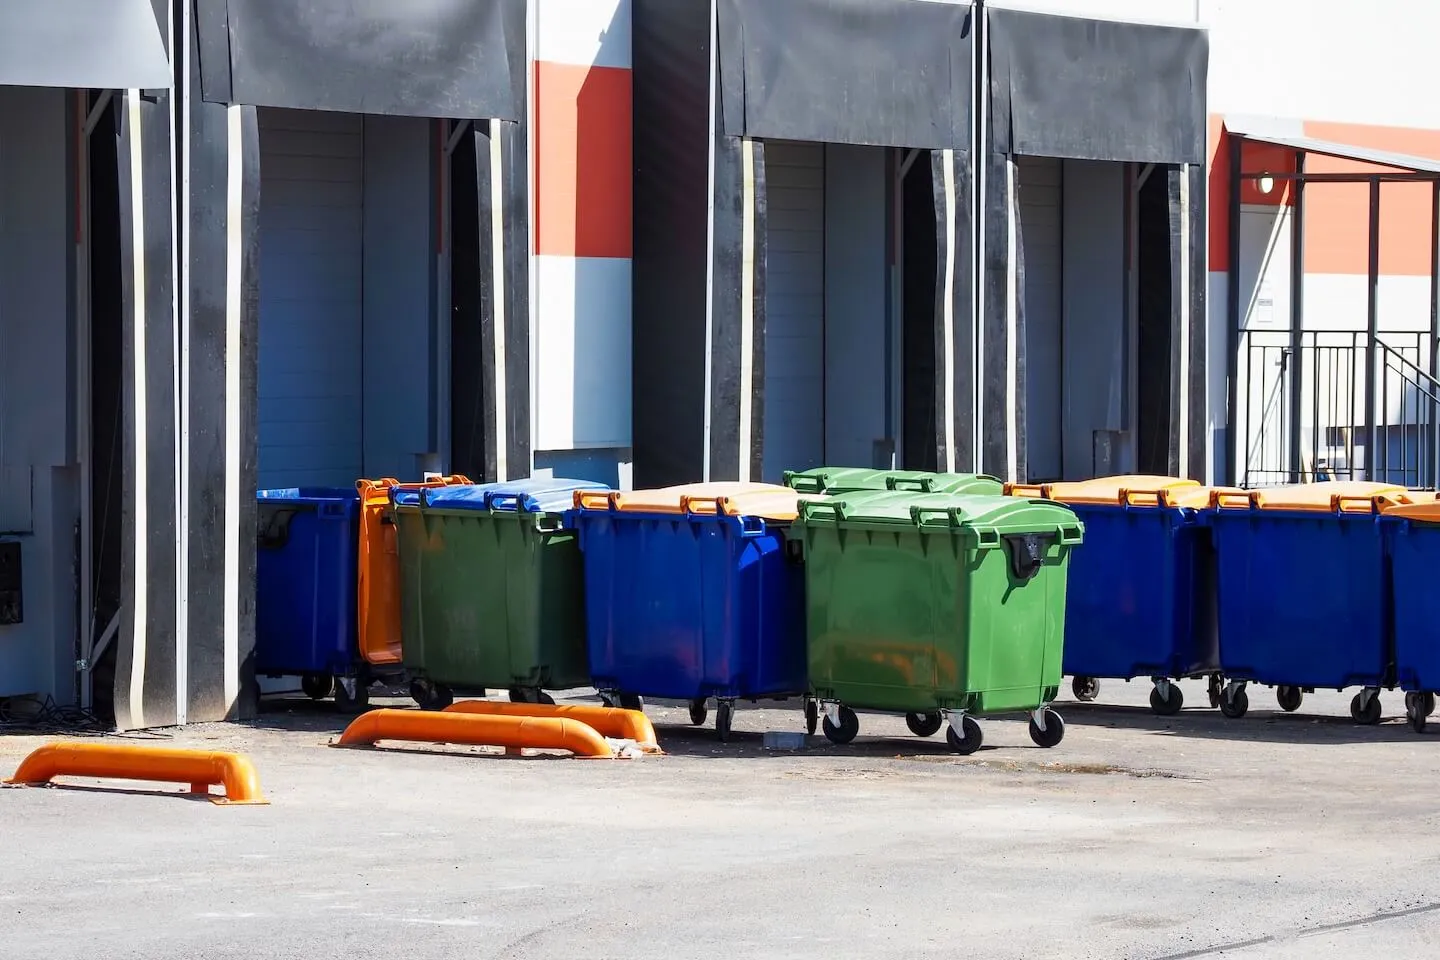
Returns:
<point x="1365" y="707"/>
<point x="318" y="686"/>
<point x="429" y="695"/>
<point x="845" y="731"/>
<point x="352" y="695"/>
<point x="1235" y="702"/>
<point x="1053" y="731"/>
<point x="1166" y="698"/>
<point x="1216" y="689"/>
<point x="970" y="741"/>
<point x="698" y="713"/>
<point x="724" y="715"/>
<point x="529" y="695"/>
<point x="1085" y="688"/>
<point x="1418" y="708"/>
<point x="924" y="724"/>
<point x="1289" y="698"/>
<point x="812" y="716"/>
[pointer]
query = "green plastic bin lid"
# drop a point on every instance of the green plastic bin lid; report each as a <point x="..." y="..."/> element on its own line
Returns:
<point x="944" y="511"/>
<point x="836" y="479"/>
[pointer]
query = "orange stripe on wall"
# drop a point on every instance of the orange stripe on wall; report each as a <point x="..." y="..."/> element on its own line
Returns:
<point x="582" y="161"/>
<point x="1337" y="215"/>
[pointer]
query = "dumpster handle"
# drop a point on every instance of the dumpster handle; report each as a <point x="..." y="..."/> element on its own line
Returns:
<point x="594" y="500"/>
<point x="704" y="506"/>
<point x="987" y="539"/>
<point x="752" y="526"/>
<point x="1071" y="536"/>
<point x="911" y="484"/>
<point x="495" y="500"/>
<point x="804" y="483"/>
<point x="950" y="514"/>
<point x="1225" y="500"/>
<point x="1340" y="503"/>
<point x="815" y="510"/>
<point x="1030" y="491"/>
<point x="384" y="483"/>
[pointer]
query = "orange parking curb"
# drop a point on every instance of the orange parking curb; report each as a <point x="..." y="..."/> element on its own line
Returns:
<point x="611" y="721"/>
<point x="199" y="768"/>
<point x="427" y="726"/>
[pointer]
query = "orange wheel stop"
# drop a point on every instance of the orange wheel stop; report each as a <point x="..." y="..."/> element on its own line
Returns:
<point x="429" y="726"/>
<point x="199" y="768"/>
<point x="610" y="721"/>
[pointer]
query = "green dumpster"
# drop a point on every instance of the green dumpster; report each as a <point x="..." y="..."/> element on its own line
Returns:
<point x="937" y="606"/>
<point x="832" y="480"/>
<point x="491" y="589"/>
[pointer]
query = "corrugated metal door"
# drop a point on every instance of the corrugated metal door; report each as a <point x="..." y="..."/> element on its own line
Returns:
<point x="1039" y="184"/>
<point x="311" y="205"/>
<point x="794" y="308"/>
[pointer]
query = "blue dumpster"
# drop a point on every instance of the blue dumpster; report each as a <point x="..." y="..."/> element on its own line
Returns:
<point x="1302" y="593"/>
<point x="1141" y="597"/>
<point x="691" y="593"/>
<point x="305" y="591"/>
<point x="1413" y="542"/>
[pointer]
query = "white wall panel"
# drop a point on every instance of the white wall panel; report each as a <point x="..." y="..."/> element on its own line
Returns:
<point x="582" y="353"/>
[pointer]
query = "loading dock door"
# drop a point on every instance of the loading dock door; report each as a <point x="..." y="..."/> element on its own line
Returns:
<point x="1039" y="182"/>
<point x="310" y="297"/>
<point x="794" y="308"/>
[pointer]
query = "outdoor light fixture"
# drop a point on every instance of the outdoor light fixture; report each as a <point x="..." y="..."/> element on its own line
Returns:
<point x="1266" y="183"/>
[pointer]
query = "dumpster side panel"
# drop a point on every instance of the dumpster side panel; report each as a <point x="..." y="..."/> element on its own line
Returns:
<point x="554" y="606"/>
<point x="690" y="607"/>
<point x="1302" y="598"/>
<point x="1136" y="605"/>
<point x="1415" y="556"/>
<point x="1018" y="631"/>
<point x="305" y="601"/>
<point x="884" y="610"/>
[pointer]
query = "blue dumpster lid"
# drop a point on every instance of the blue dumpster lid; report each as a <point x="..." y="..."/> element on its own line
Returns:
<point x="537" y="495"/>
<point x="308" y="494"/>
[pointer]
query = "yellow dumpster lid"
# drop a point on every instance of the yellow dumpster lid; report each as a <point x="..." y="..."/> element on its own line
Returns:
<point x="768" y="500"/>
<point x="1134" y="488"/>
<point x="1424" y="507"/>
<point x="1333" y="496"/>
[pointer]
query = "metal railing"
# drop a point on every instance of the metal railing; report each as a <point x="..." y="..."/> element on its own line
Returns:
<point x="1362" y="409"/>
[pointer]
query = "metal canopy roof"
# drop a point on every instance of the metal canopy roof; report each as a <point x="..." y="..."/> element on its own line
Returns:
<point x="1344" y="151"/>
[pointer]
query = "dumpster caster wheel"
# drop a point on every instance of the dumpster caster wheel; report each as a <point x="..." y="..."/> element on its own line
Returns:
<point x="1418" y="707"/>
<point x="848" y="727"/>
<point x="1166" y="702"/>
<point x="1085" y="688"/>
<point x="970" y="742"/>
<point x="429" y="695"/>
<point x="1235" y="705"/>
<point x="724" y="714"/>
<point x="1054" y="730"/>
<point x="1289" y="698"/>
<point x="629" y="701"/>
<point x="812" y="717"/>
<point x="349" y="702"/>
<point x="1365" y="710"/>
<point x="1216" y="690"/>
<point x="317" y="686"/>
<point x="924" y="724"/>
<point x="698" y="713"/>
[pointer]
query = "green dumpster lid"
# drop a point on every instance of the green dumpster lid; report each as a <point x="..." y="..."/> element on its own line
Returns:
<point x="942" y="511"/>
<point x="837" y="479"/>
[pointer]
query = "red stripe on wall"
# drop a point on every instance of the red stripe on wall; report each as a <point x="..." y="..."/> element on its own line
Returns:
<point x="582" y="161"/>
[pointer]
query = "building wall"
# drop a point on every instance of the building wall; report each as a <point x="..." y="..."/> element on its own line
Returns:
<point x="39" y="482"/>
<point x="582" y="240"/>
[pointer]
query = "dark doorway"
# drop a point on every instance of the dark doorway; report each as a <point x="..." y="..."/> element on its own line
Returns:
<point x="919" y="273"/>
<point x="107" y="349"/>
<point x="467" y="294"/>
<point x="1154" y="322"/>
